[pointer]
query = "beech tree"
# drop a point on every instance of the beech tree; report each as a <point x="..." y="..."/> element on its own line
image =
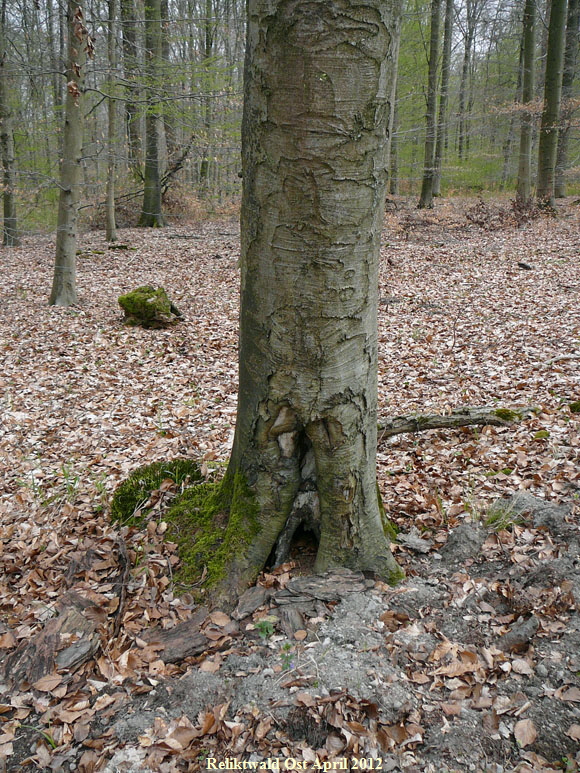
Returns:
<point x="151" y="215"/>
<point x="568" y="106"/>
<point x="10" y="229"/>
<point x="426" y="199"/>
<point x="64" y="292"/>
<point x="548" y="144"/>
<point x="528" y="81"/>
<point x="318" y="92"/>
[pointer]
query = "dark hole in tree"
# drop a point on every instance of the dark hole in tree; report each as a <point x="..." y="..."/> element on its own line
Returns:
<point x="302" y="551"/>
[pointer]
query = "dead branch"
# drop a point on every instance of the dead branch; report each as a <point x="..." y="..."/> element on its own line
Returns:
<point x="460" y="417"/>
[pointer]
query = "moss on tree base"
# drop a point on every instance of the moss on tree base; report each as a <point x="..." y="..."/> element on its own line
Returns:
<point x="213" y="524"/>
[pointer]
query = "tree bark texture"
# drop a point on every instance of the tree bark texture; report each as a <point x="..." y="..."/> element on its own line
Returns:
<point x="130" y="68"/>
<point x="319" y="83"/>
<point x="567" y="107"/>
<point x="528" y="86"/>
<point x="151" y="215"/>
<point x="10" y="227"/>
<point x="426" y="198"/>
<point x="110" y="221"/>
<point x="444" y="98"/>
<point x="64" y="292"/>
<point x="548" y="145"/>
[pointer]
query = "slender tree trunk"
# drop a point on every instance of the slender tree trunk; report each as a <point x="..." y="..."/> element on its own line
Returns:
<point x="510" y="137"/>
<point x="10" y="227"/>
<point x="394" y="155"/>
<point x="64" y="292"/>
<point x="444" y="98"/>
<point x="55" y="61"/>
<point x="426" y="198"/>
<point x="472" y="11"/>
<point x="318" y="84"/>
<point x="111" y="225"/>
<point x="524" y="190"/>
<point x="548" y="145"/>
<point x="151" y="215"/>
<point x="129" y="37"/>
<point x="568" y="77"/>
<point x="208" y="41"/>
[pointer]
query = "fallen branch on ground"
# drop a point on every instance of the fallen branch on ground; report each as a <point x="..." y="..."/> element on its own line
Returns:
<point x="459" y="417"/>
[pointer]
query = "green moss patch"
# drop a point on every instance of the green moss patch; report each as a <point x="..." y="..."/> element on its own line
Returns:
<point x="389" y="527"/>
<point x="129" y="503"/>
<point x="575" y="406"/>
<point x="149" y="306"/>
<point x="506" y="415"/>
<point x="211" y="523"/>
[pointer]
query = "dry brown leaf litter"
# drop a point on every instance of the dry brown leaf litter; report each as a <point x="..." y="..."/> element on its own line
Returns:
<point x="85" y="400"/>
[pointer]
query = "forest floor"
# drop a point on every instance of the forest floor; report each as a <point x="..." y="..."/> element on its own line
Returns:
<point x="471" y="664"/>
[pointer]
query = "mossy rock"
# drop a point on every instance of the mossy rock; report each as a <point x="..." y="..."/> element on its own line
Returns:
<point x="149" y="306"/>
<point x="127" y="505"/>
<point x="575" y="406"/>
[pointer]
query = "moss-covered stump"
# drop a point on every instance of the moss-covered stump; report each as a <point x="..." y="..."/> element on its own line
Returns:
<point x="149" y="307"/>
<point x="213" y="524"/>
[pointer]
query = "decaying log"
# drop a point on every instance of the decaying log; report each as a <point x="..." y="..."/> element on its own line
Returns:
<point x="183" y="641"/>
<point x="459" y="417"/>
<point x="52" y="647"/>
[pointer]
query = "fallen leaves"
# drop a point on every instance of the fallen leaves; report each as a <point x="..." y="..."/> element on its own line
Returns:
<point x="86" y="400"/>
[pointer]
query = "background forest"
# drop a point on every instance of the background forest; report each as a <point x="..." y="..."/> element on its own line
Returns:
<point x="162" y="99"/>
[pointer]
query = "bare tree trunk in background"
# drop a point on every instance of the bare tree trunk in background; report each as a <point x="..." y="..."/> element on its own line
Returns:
<point x="524" y="189"/>
<point x="10" y="227"/>
<point x="548" y="146"/>
<point x="64" y="292"/>
<point x="394" y="155"/>
<point x="110" y="223"/>
<point x="208" y="41"/>
<point x="151" y="215"/>
<point x="444" y="98"/>
<point x="314" y="153"/>
<point x="426" y="198"/>
<point x="130" y="69"/>
<point x="567" y="107"/>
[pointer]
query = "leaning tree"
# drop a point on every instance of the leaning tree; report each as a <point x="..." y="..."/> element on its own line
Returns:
<point x="318" y="96"/>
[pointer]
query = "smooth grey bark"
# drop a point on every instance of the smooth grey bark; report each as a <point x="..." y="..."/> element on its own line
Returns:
<point x="64" y="292"/>
<point x="444" y="96"/>
<point x="130" y="68"/>
<point x="426" y="198"/>
<point x="319" y="82"/>
<point x="394" y="154"/>
<point x="524" y="189"/>
<point x="151" y="214"/>
<point x="10" y="223"/>
<point x="469" y="35"/>
<point x="110" y="222"/>
<point x="567" y="107"/>
<point x="548" y="145"/>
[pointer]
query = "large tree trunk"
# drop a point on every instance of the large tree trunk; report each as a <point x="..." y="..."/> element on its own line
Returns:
<point x="64" y="292"/>
<point x="10" y="228"/>
<point x="568" y="107"/>
<point x="319" y="82"/>
<point x="426" y="198"/>
<point x="528" y="81"/>
<point x="552" y="97"/>
<point x="151" y="215"/>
